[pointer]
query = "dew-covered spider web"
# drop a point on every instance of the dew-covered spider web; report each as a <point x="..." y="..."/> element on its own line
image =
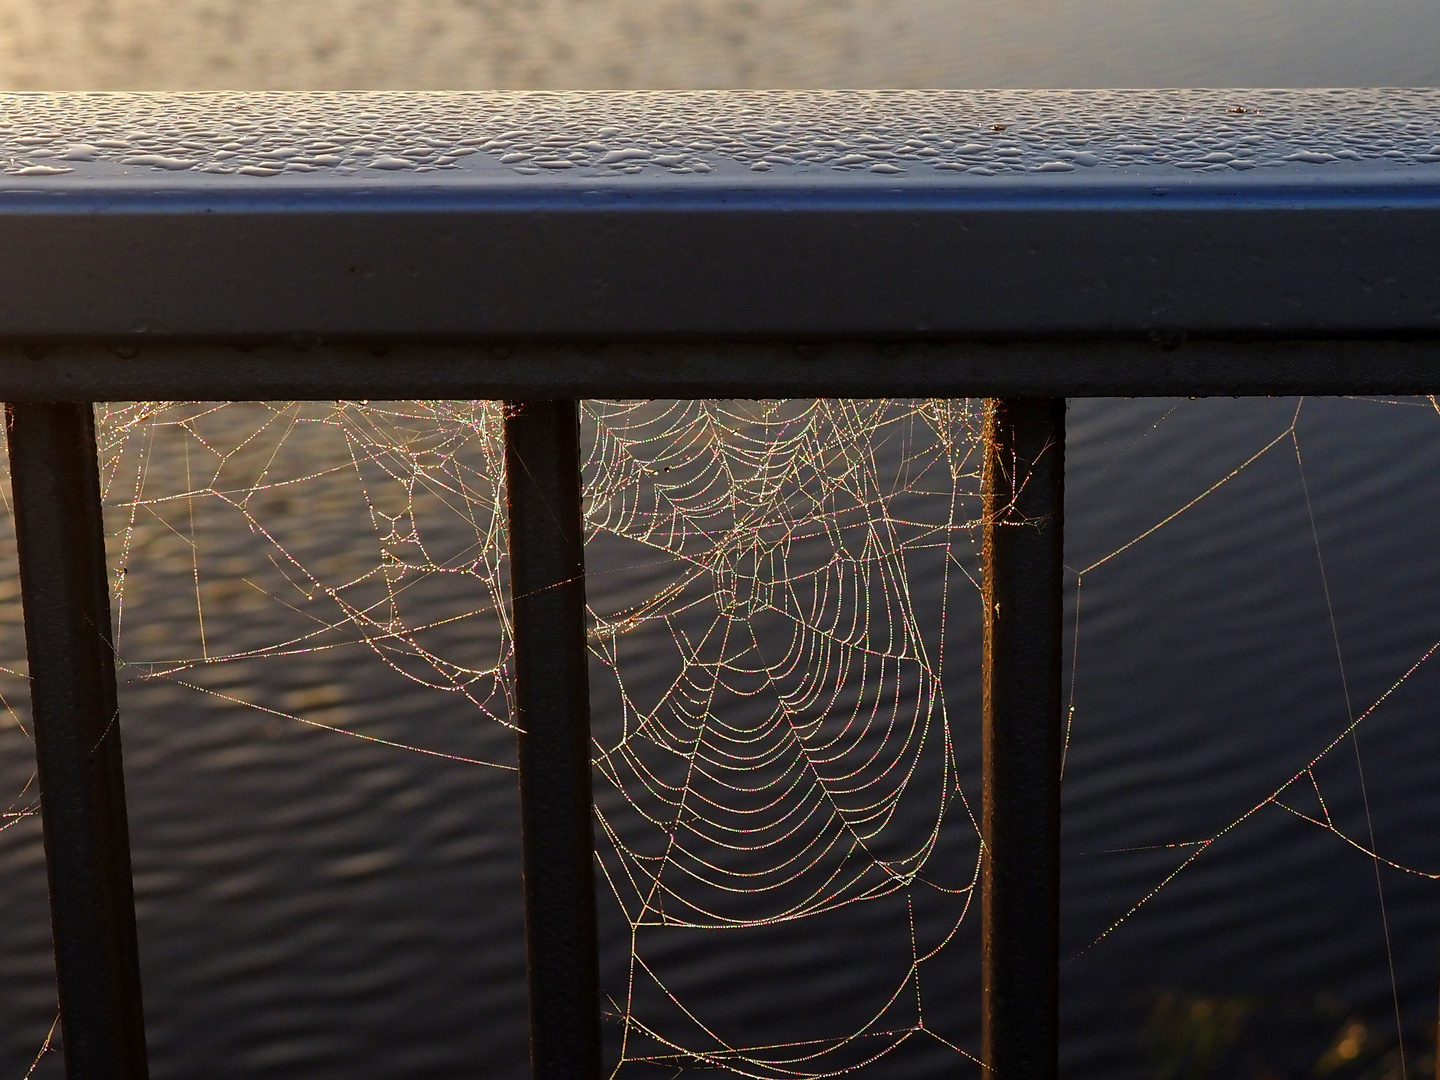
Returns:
<point x="774" y="739"/>
<point x="773" y="742"/>
<point x="312" y="636"/>
<point x="1249" y="808"/>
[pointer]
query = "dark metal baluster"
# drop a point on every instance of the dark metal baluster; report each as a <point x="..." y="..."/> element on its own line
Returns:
<point x="547" y="582"/>
<point x="61" y="541"/>
<point x="1024" y="491"/>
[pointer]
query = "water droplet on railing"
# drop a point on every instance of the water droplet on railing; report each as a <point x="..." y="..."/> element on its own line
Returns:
<point x="922" y="133"/>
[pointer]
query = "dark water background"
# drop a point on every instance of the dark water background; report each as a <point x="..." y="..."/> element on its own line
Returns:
<point x="316" y="905"/>
<point x="1206" y="676"/>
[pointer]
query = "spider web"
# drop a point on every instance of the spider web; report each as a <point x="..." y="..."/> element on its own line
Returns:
<point x="1320" y="762"/>
<point x="772" y="739"/>
<point x="783" y="629"/>
<point x="1303" y="787"/>
<point x="786" y="750"/>
<point x="423" y="479"/>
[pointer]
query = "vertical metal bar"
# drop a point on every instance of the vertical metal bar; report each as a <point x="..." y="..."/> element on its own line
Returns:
<point x="1024" y="491"/>
<point x="60" y="535"/>
<point x="552" y="698"/>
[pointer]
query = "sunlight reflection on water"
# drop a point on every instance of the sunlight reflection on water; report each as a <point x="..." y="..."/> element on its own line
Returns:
<point x="458" y="44"/>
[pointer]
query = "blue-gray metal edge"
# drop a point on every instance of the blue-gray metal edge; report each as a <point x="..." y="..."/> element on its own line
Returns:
<point x="1182" y="224"/>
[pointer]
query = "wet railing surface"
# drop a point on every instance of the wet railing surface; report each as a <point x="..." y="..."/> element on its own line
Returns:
<point x="540" y="248"/>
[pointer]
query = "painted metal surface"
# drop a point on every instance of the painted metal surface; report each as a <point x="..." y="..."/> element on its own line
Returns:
<point x="552" y="711"/>
<point x="795" y="215"/>
<point x="298" y="138"/>
<point x="1023" y="557"/>
<point x="1163" y="367"/>
<point x="60" y="536"/>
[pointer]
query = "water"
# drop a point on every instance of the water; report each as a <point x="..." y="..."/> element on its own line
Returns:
<point x="1206" y="676"/>
<point x="455" y="44"/>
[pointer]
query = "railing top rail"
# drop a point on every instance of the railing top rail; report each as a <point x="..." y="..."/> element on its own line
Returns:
<point x="744" y="214"/>
<point x="193" y="141"/>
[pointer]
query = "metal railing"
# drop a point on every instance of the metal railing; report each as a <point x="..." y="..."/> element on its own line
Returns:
<point x="541" y="248"/>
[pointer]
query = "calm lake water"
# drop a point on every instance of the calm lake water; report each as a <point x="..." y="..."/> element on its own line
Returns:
<point x="322" y="906"/>
<point x="455" y="44"/>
